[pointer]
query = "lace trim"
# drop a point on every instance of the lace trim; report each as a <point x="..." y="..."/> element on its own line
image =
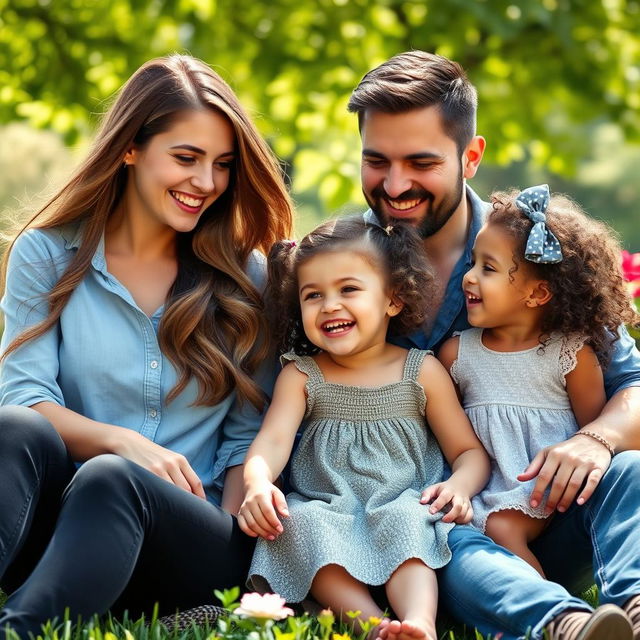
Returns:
<point x="528" y="511"/>
<point x="569" y="348"/>
<point x="453" y="371"/>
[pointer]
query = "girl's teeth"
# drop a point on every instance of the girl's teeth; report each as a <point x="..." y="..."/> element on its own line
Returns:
<point x="332" y="328"/>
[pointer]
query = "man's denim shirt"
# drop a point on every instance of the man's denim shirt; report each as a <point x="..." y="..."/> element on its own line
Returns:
<point x="102" y="359"/>
<point x="623" y="370"/>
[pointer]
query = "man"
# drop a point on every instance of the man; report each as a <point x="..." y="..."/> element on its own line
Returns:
<point x="417" y="122"/>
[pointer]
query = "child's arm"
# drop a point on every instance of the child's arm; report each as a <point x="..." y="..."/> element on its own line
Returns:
<point x="460" y="445"/>
<point x="268" y="454"/>
<point x="585" y="388"/>
<point x="448" y="354"/>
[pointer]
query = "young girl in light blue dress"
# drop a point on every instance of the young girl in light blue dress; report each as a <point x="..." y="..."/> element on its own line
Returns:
<point x="545" y="296"/>
<point x="368" y="506"/>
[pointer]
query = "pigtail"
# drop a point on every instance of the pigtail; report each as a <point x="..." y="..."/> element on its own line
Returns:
<point x="282" y="305"/>
<point x="411" y="279"/>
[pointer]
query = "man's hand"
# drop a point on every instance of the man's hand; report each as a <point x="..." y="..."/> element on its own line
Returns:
<point x="566" y="467"/>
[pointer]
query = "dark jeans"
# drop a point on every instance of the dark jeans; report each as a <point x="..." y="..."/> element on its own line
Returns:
<point x="110" y="536"/>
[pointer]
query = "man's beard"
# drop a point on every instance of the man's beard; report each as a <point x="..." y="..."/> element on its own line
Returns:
<point x="435" y="217"/>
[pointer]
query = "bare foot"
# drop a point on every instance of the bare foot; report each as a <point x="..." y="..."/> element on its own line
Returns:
<point x="410" y="630"/>
<point x="383" y="629"/>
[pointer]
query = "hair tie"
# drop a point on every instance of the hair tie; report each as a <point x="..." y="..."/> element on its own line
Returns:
<point x="542" y="245"/>
<point x="291" y="243"/>
<point x="388" y="229"/>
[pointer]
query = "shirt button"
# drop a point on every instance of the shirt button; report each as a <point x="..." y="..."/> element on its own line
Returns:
<point x="153" y="364"/>
<point x="153" y="413"/>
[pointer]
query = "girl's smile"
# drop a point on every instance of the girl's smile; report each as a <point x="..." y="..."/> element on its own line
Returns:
<point x="344" y="302"/>
<point x="337" y="327"/>
<point x="498" y="291"/>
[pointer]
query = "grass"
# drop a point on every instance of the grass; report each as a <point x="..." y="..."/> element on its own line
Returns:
<point x="235" y="628"/>
<point x="295" y="628"/>
<point x="301" y="627"/>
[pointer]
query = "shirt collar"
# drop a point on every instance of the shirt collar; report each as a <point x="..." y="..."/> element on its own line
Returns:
<point x="453" y="302"/>
<point x="73" y="234"/>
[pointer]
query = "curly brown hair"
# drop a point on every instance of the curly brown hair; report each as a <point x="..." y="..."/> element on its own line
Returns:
<point x="397" y="252"/>
<point x="589" y="292"/>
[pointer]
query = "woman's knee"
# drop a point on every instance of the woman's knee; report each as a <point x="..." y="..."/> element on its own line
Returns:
<point x="106" y="474"/>
<point x="23" y="429"/>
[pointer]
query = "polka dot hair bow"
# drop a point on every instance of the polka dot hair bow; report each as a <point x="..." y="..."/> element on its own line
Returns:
<point x="542" y="246"/>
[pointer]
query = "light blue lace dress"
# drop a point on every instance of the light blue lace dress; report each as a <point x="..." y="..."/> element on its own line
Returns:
<point x="364" y="456"/>
<point x="517" y="403"/>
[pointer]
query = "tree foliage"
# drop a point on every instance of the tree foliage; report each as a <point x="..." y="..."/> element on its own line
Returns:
<point x="542" y="67"/>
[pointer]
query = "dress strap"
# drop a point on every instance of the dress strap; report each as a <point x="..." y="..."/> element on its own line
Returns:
<point x="413" y="363"/>
<point x="306" y="364"/>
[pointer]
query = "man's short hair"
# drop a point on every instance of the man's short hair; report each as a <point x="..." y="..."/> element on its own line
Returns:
<point x="417" y="79"/>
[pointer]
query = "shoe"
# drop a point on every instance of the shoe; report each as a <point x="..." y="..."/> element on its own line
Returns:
<point x="607" y="622"/>
<point x="204" y="615"/>
<point x="632" y="609"/>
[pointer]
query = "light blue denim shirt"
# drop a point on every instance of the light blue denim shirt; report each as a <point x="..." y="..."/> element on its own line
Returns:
<point x="102" y="359"/>
<point x="623" y="370"/>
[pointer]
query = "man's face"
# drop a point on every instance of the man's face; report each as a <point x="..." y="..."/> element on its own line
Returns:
<point x="411" y="170"/>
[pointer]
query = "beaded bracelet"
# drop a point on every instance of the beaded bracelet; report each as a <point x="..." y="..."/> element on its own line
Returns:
<point x="596" y="436"/>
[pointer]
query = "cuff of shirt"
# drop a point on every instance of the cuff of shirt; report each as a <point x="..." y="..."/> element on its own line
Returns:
<point x="27" y="398"/>
<point x="226" y="460"/>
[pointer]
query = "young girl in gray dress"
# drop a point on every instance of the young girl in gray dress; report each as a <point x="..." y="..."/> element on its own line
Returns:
<point x="546" y="296"/>
<point x="368" y="506"/>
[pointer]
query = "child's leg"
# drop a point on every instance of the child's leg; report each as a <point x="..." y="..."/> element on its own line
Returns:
<point x="513" y="530"/>
<point x="333" y="587"/>
<point x="413" y="595"/>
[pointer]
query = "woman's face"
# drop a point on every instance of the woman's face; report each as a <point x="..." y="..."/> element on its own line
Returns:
<point x="179" y="173"/>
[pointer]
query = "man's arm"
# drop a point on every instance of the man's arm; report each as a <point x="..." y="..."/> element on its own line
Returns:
<point x="618" y="424"/>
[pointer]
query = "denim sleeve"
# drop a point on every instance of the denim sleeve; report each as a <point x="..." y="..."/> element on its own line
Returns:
<point x="624" y="368"/>
<point x="29" y="374"/>
<point x="242" y="424"/>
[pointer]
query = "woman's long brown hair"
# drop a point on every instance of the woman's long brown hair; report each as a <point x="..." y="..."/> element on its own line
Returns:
<point x="213" y="328"/>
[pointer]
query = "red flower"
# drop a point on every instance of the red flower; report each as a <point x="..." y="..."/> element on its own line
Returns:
<point x="631" y="271"/>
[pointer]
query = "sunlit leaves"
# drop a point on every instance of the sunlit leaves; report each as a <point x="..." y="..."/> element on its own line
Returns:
<point x="540" y="67"/>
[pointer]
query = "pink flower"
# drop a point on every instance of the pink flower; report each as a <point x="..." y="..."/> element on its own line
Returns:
<point x="269" y="606"/>
<point x="631" y="271"/>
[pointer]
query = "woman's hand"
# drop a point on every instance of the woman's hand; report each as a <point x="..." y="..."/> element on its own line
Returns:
<point x="86" y="438"/>
<point x="166" y="464"/>
<point x="258" y="514"/>
<point x="447" y="494"/>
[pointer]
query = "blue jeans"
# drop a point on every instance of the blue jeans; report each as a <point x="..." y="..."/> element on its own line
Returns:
<point x="489" y="588"/>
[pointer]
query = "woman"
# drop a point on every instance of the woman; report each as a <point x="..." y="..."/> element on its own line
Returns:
<point x="134" y="329"/>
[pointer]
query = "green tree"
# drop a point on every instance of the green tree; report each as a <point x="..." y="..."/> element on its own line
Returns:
<point x="541" y="66"/>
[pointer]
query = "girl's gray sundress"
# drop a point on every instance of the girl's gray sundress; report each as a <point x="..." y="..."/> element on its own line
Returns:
<point x="364" y="457"/>
<point x="518" y="404"/>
